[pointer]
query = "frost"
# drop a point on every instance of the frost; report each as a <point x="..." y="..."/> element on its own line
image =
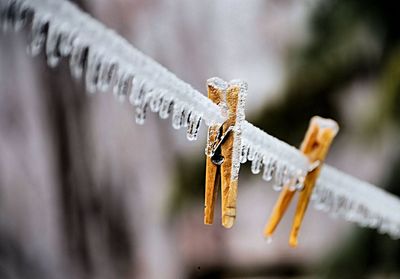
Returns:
<point x="105" y="61"/>
<point x="357" y="201"/>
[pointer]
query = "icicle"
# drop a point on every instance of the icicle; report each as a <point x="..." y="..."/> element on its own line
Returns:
<point x="141" y="111"/>
<point x="108" y="73"/>
<point x="52" y="53"/>
<point x="40" y="27"/>
<point x="256" y="164"/>
<point x="92" y="71"/>
<point x="156" y="101"/>
<point x="65" y="41"/>
<point x="251" y="153"/>
<point x="244" y="153"/>
<point x="165" y="107"/>
<point x="78" y="59"/>
<point x="177" y="116"/>
<point x="123" y="86"/>
<point x="138" y="92"/>
<point x="373" y="221"/>
<point x="280" y="176"/>
<point x="269" y="168"/>
<point x="193" y="126"/>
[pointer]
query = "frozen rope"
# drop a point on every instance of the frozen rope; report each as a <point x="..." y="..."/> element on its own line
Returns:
<point x="105" y="61"/>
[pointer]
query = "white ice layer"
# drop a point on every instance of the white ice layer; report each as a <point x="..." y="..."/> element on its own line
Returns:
<point x="105" y="61"/>
<point x="357" y="201"/>
<point x="280" y="160"/>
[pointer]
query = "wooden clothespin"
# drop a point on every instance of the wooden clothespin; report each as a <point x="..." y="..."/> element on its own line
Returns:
<point x="315" y="146"/>
<point x="223" y="149"/>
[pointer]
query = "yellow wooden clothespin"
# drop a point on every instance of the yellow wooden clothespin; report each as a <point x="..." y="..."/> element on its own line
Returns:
<point x="223" y="149"/>
<point x="315" y="146"/>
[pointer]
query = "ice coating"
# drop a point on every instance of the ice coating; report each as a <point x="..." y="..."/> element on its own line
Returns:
<point x="357" y="201"/>
<point x="236" y="128"/>
<point x="61" y="30"/>
<point x="324" y="123"/>
<point x="194" y="122"/>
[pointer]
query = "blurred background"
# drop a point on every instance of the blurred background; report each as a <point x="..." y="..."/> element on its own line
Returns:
<point x="86" y="193"/>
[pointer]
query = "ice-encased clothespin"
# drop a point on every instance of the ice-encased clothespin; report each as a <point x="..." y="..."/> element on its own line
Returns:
<point x="315" y="146"/>
<point x="223" y="149"/>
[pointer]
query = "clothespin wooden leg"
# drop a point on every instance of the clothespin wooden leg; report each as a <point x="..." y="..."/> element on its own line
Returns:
<point x="229" y="184"/>
<point x="211" y="192"/>
<point x="318" y="140"/>
<point x="212" y="170"/>
<point x="315" y="146"/>
<point x="279" y="210"/>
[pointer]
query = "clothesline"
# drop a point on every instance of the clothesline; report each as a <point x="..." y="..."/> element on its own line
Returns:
<point x="107" y="61"/>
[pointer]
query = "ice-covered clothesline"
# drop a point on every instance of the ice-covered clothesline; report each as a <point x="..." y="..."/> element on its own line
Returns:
<point x="105" y="60"/>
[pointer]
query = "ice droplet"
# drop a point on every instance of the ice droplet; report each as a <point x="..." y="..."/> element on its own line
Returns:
<point x="251" y="153"/>
<point x="165" y="108"/>
<point x="269" y="240"/>
<point x="256" y="164"/>
<point x="193" y="126"/>
<point x="243" y="153"/>
<point x="65" y="42"/>
<point x="123" y="86"/>
<point x="108" y="73"/>
<point x="138" y="92"/>
<point x="177" y="116"/>
<point x="77" y="60"/>
<point x="269" y="169"/>
<point x="155" y="102"/>
<point x="141" y="111"/>
<point x="280" y="176"/>
<point x="52" y="52"/>
<point x="92" y="71"/>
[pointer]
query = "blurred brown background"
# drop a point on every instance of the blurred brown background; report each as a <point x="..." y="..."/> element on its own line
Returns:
<point x="86" y="193"/>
